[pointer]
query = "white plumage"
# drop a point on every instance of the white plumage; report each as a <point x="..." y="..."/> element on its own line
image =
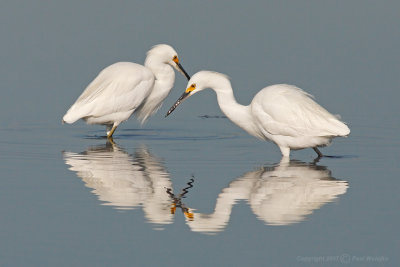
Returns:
<point x="125" y="88"/>
<point x="125" y="181"/>
<point x="283" y="194"/>
<point x="283" y="114"/>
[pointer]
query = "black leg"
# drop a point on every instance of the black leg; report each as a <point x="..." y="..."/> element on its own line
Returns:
<point x="320" y="155"/>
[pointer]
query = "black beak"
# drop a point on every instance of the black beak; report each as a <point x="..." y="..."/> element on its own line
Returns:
<point x="180" y="100"/>
<point x="183" y="71"/>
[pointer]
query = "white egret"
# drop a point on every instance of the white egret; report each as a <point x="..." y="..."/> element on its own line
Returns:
<point x="283" y="114"/>
<point x="125" y="88"/>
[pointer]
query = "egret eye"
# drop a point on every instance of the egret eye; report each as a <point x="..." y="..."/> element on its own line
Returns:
<point x="175" y="59"/>
<point x="191" y="88"/>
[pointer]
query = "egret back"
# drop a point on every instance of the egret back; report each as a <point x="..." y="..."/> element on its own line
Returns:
<point x="287" y="110"/>
<point x="118" y="89"/>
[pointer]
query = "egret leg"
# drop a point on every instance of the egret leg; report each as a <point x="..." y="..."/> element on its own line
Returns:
<point x="111" y="141"/>
<point x="285" y="151"/>
<point x="316" y="160"/>
<point x="111" y="132"/>
<point x="320" y="155"/>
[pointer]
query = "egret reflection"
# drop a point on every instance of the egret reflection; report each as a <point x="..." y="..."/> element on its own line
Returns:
<point x="177" y="200"/>
<point x="279" y="194"/>
<point x="124" y="181"/>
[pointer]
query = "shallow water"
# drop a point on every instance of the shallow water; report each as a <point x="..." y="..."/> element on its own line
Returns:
<point x="194" y="195"/>
<point x="194" y="189"/>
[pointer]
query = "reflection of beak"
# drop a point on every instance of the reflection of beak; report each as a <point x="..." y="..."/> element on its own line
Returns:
<point x="189" y="215"/>
<point x="182" y="70"/>
<point x="180" y="100"/>
<point x="173" y="208"/>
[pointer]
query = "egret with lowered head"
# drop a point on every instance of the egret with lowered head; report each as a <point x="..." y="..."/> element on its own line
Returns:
<point x="281" y="113"/>
<point x="125" y="88"/>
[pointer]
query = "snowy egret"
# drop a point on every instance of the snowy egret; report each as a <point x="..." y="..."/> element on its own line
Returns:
<point x="125" y="88"/>
<point x="283" y="114"/>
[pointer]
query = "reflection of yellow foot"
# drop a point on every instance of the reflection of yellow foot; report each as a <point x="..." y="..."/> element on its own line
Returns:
<point x="111" y="140"/>
<point x="173" y="208"/>
<point x="189" y="215"/>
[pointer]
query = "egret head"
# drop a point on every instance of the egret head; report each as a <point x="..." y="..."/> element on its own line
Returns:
<point x="200" y="81"/>
<point x="167" y="55"/>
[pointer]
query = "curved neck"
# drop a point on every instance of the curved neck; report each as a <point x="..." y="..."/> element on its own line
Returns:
<point x="164" y="81"/>
<point x="164" y="73"/>
<point x="239" y="114"/>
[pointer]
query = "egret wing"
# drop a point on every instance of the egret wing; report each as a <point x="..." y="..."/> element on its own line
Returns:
<point x="120" y="87"/>
<point x="288" y="110"/>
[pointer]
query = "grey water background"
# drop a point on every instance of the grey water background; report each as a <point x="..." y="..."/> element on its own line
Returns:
<point x="53" y="210"/>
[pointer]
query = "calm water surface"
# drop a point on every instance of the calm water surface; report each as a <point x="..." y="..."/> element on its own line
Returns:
<point x="169" y="197"/>
<point x="193" y="189"/>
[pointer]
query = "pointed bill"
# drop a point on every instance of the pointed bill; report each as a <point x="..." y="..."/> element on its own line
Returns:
<point x="182" y="70"/>
<point x="179" y="67"/>
<point x="178" y="102"/>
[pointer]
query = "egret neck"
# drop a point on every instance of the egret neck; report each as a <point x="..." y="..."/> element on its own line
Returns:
<point x="164" y="73"/>
<point x="165" y="78"/>
<point x="239" y="114"/>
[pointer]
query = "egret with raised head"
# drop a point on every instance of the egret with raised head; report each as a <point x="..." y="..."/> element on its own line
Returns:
<point x="281" y="113"/>
<point x="124" y="88"/>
